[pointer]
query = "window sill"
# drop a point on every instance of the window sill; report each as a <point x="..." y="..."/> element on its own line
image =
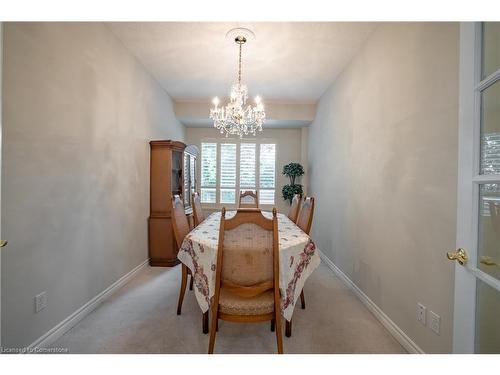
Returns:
<point x="218" y="206"/>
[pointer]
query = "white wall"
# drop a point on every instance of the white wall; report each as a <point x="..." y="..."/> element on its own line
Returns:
<point x="288" y="149"/>
<point x="79" y="111"/>
<point x="383" y="163"/>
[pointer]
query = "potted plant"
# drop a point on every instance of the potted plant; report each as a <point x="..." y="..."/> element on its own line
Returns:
<point x="292" y="171"/>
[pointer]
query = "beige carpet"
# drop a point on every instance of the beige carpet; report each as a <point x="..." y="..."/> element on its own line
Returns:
<point x="141" y="318"/>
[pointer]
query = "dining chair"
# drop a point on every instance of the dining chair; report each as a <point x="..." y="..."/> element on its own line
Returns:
<point x="197" y="210"/>
<point x="181" y="228"/>
<point x="304" y="222"/>
<point x="248" y="199"/>
<point x="494" y="208"/>
<point x="247" y="272"/>
<point x="293" y="213"/>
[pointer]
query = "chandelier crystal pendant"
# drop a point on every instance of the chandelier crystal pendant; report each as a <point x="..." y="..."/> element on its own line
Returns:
<point x="238" y="118"/>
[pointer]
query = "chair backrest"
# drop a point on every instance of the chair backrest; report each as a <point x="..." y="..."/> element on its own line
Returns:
<point x="197" y="210"/>
<point x="494" y="209"/>
<point x="248" y="199"/>
<point x="495" y="216"/>
<point x="180" y="222"/>
<point x="293" y="213"/>
<point x="247" y="257"/>
<point x="304" y="221"/>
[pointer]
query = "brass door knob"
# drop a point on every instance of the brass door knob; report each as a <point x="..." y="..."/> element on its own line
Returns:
<point x="3" y="243"/>
<point x="460" y="256"/>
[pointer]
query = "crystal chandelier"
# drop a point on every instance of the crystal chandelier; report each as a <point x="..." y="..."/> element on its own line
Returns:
<point x="238" y="118"/>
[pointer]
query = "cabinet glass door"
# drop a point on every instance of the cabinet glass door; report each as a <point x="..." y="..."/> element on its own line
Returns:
<point x="187" y="179"/>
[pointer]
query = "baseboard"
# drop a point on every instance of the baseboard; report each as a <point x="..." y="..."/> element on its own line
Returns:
<point x="64" y="326"/>
<point x="392" y="327"/>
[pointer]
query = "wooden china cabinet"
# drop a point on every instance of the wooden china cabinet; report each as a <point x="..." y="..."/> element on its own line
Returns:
<point x="167" y="178"/>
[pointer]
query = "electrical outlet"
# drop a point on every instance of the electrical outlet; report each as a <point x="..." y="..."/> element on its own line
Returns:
<point x="40" y="301"/>
<point x="421" y="310"/>
<point x="435" y="322"/>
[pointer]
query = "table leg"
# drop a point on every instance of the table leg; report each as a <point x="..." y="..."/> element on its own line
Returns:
<point x="288" y="328"/>
<point x="205" y="322"/>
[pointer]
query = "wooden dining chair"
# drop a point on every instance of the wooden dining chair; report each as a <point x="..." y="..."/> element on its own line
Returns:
<point x="181" y="228"/>
<point x="247" y="273"/>
<point x="304" y="222"/>
<point x="494" y="208"/>
<point x="197" y="210"/>
<point x="293" y="213"/>
<point x="248" y="199"/>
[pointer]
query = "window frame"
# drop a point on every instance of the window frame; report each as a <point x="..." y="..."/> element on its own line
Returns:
<point x="238" y="142"/>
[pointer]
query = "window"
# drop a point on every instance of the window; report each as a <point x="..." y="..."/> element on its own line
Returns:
<point x="267" y="173"/>
<point x="208" y="172"/>
<point x="247" y="165"/>
<point x="228" y="173"/>
<point x="243" y="166"/>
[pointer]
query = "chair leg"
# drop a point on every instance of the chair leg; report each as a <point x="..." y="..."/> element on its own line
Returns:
<point x="183" y="289"/>
<point x="288" y="328"/>
<point x="272" y="325"/>
<point x="217" y="326"/>
<point x="302" y="299"/>
<point x="213" y="330"/>
<point x="279" y="338"/>
<point x="205" y="322"/>
<point x="191" y="282"/>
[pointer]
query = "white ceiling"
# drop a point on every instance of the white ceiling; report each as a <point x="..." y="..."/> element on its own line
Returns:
<point x="287" y="61"/>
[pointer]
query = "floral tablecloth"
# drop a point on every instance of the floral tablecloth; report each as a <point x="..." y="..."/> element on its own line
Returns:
<point x="298" y="259"/>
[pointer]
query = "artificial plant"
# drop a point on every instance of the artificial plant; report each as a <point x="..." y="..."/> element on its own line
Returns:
<point x="292" y="171"/>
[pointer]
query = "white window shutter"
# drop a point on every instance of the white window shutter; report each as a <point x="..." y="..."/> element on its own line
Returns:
<point x="228" y="173"/>
<point x="208" y="172"/>
<point x="247" y="165"/>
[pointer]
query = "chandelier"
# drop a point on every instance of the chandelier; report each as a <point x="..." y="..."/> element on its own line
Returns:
<point x="238" y="118"/>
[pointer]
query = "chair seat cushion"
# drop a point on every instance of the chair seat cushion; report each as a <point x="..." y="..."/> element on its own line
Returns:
<point x="230" y="303"/>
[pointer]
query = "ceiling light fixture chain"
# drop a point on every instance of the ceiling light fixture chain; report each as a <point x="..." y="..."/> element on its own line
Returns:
<point x="238" y="118"/>
<point x="240" y="42"/>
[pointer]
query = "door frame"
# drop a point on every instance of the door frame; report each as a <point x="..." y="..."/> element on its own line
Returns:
<point x="1" y="140"/>
<point x="469" y="180"/>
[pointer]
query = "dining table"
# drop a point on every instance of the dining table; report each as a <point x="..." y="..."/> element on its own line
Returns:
<point x="298" y="258"/>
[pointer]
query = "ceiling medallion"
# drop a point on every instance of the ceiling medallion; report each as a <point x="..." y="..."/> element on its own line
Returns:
<point x="236" y="117"/>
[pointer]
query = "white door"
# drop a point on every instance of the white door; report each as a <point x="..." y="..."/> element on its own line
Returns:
<point x="1" y="72"/>
<point x="476" y="325"/>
